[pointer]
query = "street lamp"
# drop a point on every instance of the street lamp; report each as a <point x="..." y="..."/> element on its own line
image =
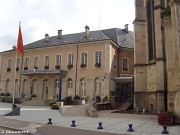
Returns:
<point x="60" y="84"/>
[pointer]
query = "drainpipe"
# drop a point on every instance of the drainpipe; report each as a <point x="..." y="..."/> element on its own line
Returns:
<point x="76" y="68"/>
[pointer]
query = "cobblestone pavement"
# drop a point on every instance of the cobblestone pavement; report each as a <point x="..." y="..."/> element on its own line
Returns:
<point x="34" y="119"/>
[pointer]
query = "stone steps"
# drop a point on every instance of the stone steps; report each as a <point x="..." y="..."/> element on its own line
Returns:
<point x="35" y="102"/>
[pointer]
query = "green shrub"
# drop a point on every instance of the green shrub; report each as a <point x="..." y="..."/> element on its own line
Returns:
<point x="52" y="103"/>
<point x="98" y="99"/>
<point x="69" y="100"/>
<point x="8" y="94"/>
<point x="76" y="97"/>
<point x="105" y="99"/>
<point x="55" y="106"/>
<point x="2" y="94"/>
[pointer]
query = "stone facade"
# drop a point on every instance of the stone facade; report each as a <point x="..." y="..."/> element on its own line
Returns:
<point x="156" y="55"/>
<point x="76" y="78"/>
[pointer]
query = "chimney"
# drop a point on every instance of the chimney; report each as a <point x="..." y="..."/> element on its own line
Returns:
<point x="87" y="31"/>
<point x="126" y="28"/>
<point x="60" y="33"/>
<point x="46" y="37"/>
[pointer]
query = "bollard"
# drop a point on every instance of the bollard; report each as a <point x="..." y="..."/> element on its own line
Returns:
<point x="165" y="130"/>
<point x="49" y="121"/>
<point x="130" y="128"/>
<point x="73" y="123"/>
<point x="100" y="126"/>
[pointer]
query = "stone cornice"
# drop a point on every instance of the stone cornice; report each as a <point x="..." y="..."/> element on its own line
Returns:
<point x="160" y="58"/>
<point x="138" y="20"/>
<point x="157" y="7"/>
<point x="142" y="64"/>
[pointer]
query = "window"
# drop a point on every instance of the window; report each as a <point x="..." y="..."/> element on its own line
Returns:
<point x="9" y="63"/>
<point x="150" y="21"/>
<point x="7" y="86"/>
<point x="98" y="57"/>
<point x="18" y="63"/>
<point x="26" y="62"/>
<point x="24" y="84"/>
<point x="84" y="58"/>
<point x="36" y="62"/>
<point x="97" y="86"/>
<point x="58" y="60"/>
<point x="83" y="87"/>
<point x="69" y="86"/>
<point x="70" y="58"/>
<point x="47" y="60"/>
<point x="125" y="64"/>
<point x="114" y="61"/>
<point x="16" y="86"/>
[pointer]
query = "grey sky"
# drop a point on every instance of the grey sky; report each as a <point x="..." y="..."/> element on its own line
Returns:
<point x="47" y="16"/>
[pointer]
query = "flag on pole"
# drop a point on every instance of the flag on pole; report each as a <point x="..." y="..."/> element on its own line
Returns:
<point x="20" y="47"/>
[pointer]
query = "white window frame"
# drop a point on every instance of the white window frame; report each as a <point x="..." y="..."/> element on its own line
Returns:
<point x="123" y="64"/>
<point x="97" y="86"/>
<point x="59" y="56"/>
<point x="10" y="63"/>
<point x="47" y="60"/>
<point x="84" y="58"/>
<point x="83" y="83"/>
<point x="70" y="58"/>
<point x="26" y="62"/>
<point x="98" y="57"/>
<point x="36" y="61"/>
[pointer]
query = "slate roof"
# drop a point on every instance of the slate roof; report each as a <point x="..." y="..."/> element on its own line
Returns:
<point x="119" y="36"/>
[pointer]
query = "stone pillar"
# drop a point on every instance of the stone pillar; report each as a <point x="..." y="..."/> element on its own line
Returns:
<point x="175" y="17"/>
<point x="160" y="56"/>
<point x="170" y="59"/>
<point x="140" y="53"/>
<point x="177" y="102"/>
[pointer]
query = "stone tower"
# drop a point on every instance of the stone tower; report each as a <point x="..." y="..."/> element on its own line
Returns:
<point x="157" y="55"/>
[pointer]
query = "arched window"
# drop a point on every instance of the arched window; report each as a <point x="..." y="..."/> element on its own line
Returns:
<point x="9" y="63"/>
<point x="58" y="60"/>
<point x="45" y="88"/>
<point x="36" y="62"/>
<point x="69" y="86"/>
<point x="16" y="86"/>
<point x="84" y="58"/>
<point x="34" y="87"/>
<point x="18" y="63"/>
<point x="7" y="86"/>
<point x="26" y="63"/>
<point x="47" y="62"/>
<point x="97" y="57"/>
<point x="97" y="86"/>
<point x="70" y="58"/>
<point x="56" y="86"/>
<point x="82" y="87"/>
<point x="24" y="84"/>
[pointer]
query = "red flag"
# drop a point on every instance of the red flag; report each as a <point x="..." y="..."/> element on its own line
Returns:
<point x="20" y="47"/>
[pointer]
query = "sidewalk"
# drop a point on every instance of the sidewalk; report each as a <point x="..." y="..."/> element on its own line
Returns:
<point x="35" y="120"/>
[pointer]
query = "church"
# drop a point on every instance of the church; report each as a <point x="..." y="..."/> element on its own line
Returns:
<point x="157" y="55"/>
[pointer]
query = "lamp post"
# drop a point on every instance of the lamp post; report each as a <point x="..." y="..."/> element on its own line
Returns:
<point x="60" y="84"/>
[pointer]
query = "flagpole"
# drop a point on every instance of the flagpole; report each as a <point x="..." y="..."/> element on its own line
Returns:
<point x="15" y="70"/>
<point x="14" y="81"/>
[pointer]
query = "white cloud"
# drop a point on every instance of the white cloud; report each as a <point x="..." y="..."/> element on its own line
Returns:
<point x="44" y="16"/>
